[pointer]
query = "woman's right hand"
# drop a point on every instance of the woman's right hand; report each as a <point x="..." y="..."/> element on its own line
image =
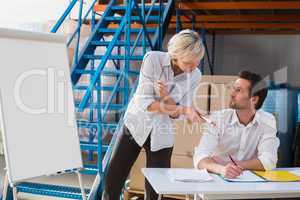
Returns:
<point x="192" y="115"/>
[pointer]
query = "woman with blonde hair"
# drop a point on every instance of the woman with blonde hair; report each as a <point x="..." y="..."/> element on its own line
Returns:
<point x="165" y="90"/>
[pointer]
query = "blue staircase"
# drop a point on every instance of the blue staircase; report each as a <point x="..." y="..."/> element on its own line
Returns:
<point x="123" y="34"/>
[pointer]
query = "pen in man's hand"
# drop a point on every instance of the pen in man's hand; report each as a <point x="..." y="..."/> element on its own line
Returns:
<point x="232" y="160"/>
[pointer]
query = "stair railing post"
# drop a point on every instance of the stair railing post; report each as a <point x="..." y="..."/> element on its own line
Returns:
<point x="127" y="50"/>
<point x="79" y="23"/>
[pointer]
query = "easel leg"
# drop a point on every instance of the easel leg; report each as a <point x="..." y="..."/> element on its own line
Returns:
<point x="195" y="196"/>
<point x="7" y="190"/>
<point x="81" y="186"/>
<point x="5" y="186"/>
<point x="200" y="197"/>
<point x="159" y="196"/>
<point x="15" y="193"/>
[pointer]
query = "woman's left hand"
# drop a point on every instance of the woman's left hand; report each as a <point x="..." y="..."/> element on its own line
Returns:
<point x="161" y="89"/>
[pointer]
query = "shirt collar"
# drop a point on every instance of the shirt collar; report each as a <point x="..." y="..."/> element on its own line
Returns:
<point x="166" y="60"/>
<point x="256" y="118"/>
<point x="235" y="119"/>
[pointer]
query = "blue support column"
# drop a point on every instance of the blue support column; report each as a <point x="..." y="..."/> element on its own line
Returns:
<point x="91" y="117"/>
<point x="160" y="25"/>
<point x="99" y="128"/>
<point x="178" y="21"/>
<point x="127" y="51"/>
<point x="194" y="22"/>
<point x="144" y="36"/>
<point x="202" y="64"/>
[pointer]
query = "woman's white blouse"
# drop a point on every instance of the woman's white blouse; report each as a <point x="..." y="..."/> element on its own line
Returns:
<point x="140" y="122"/>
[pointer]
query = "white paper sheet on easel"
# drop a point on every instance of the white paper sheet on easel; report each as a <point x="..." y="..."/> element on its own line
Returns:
<point x="37" y="113"/>
<point x="189" y="175"/>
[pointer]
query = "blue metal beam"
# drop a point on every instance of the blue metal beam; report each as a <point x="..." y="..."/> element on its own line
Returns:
<point x="63" y="17"/>
<point x="178" y="21"/>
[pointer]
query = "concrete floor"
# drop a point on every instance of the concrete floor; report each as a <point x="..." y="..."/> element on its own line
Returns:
<point x="66" y="180"/>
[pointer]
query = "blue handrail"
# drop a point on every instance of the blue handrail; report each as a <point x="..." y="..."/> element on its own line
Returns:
<point x="84" y="19"/>
<point x="79" y="23"/>
<point x="63" y="17"/>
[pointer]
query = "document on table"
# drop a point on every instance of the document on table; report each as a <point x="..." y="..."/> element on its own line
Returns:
<point x="246" y="176"/>
<point x="189" y="175"/>
<point x="296" y="172"/>
<point x="279" y="175"/>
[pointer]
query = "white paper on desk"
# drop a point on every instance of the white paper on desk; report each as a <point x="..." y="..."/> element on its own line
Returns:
<point x="296" y="172"/>
<point x="189" y="175"/>
<point x="246" y="176"/>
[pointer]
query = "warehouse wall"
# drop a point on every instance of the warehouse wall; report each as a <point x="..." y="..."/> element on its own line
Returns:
<point x="16" y="12"/>
<point x="264" y="54"/>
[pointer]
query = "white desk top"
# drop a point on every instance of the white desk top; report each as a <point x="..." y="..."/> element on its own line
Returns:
<point x="219" y="188"/>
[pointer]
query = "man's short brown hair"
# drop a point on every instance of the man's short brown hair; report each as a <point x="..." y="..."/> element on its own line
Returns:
<point x="258" y="86"/>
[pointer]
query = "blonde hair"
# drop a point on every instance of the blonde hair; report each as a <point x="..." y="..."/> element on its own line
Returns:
<point x="186" y="43"/>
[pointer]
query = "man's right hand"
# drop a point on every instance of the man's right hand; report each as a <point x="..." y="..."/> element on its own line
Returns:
<point x="231" y="171"/>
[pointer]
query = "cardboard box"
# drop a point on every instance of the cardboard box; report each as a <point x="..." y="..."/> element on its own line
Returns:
<point x="219" y="91"/>
<point x="187" y="136"/>
<point x="212" y="94"/>
<point x="136" y="177"/>
<point x="200" y="99"/>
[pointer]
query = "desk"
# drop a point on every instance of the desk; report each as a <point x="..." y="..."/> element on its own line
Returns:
<point x="219" y="188"/>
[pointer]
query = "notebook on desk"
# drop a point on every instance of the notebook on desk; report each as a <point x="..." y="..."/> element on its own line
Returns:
<point x="278" y="175"/>
<point x="267" y="176"/>
<point x="246" y="176"/>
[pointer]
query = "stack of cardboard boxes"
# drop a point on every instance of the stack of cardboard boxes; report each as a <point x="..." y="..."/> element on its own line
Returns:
<point x="212" y="94"/>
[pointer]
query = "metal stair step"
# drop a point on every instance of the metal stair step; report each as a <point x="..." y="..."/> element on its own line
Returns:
<point x="113" y="57"/>
<point x="118" y="43"/>
<point x="50" y="190"/>
<point x="90" y="170"/>
<point x="86" y="124"/>
<point x="92" y="146"/>
<point x="147" y="7"/>
<point x="133" y="30"/>
<point x="103" y="88"/>
<point x="113" y="107"/>
<point x="133" y="18"/>
<point x="122" y="7"/>
<point x="106" y="72"/>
